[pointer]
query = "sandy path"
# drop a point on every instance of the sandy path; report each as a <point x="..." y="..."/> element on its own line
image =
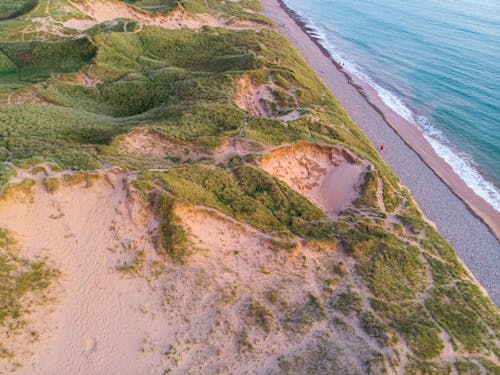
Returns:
<point x="471" y="239"/>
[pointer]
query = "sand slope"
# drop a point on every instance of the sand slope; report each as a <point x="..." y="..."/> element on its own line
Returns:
<point x="99" y="11"/>
<point x="438" y="202"/>
<point x="329" y="177"/>
<point x="239" y="305"/>
<point x="96" y="325"/>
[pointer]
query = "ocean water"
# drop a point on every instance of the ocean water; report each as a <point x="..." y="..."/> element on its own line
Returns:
<point x="435" y="62"/>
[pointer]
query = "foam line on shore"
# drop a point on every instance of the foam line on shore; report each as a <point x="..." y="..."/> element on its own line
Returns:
<point x="360" y="84"/>
<point x="463" y="218"/>
<point x="461" y="163"/>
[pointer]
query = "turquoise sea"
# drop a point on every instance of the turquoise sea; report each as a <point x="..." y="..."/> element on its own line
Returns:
<point x="435" y="62"/>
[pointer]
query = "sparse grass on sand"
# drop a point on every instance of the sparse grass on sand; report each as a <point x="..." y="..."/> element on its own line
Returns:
<point x="384" y="280"/>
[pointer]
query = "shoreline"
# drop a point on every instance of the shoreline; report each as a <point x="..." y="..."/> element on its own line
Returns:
<point x="411" y="136"/>
<point x="467" y="221"/>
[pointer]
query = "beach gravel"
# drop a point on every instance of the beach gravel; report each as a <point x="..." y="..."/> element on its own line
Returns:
<point x="476" y="246"/>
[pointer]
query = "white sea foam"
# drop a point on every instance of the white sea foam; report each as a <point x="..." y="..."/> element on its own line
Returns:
<point x="461" y="163"/>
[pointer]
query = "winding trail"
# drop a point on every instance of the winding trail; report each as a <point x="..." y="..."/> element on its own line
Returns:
<point x="476" y="246"/>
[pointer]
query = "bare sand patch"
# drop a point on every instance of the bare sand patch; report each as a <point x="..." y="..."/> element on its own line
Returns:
<point x="249" y="97"/>
<point x="154" y="149"/>
<point x="100" y="11"/>
<point x="328" y="176"/>
<point x="237" y="146"/>
<point x="260" y="101"/>
<point x="121" y="308"/>
<point x="143" y="142"/>
<point x="86" y="230"/>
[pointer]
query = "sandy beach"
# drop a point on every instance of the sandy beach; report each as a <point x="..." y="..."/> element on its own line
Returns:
<point x="469" y="223"/>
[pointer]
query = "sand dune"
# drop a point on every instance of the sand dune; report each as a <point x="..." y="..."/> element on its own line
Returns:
<point x="97" y="322"/>
<point x="327" y="176"/>
<point x="99" y="11"/>
<point x="120" y="308"/>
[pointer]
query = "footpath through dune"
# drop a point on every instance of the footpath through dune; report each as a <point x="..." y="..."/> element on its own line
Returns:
<point x="329" y="177"/>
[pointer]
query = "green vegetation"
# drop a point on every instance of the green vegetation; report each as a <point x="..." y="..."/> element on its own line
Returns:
<point x="368" y="196"/>
<point x="51" y="184"/>
<point x="348" y="302"/>
<point x="248" y="194"/>
<point x="172" y="237"/>
<point x="378" y="330"/>
<point x="491" y="367"/>
<point x="26" y="20"/>
<point x="21" y="282"/>
<point x="72" y="100"/>
<point x="414" y="324"/>
<point x="179" y="82"/>
<point x="154" y="6"/>
<point x="416" y="225"/>
<point x="301" y="317"/>
<point x="451" y="307"/>
<point x="233" y="11"/>
<point x="135" y="266"/>
<point x="259" y="316"/>
<point x="22" y="191"/>
<point x="15" y="8"/>
<point x="6" y="172"/>
<point x="417" y="367"/>
<point x="118" y="25"/>
<point x="36" y="60"/>
<point x="390" y="267"/>
<point x="465" y="367"/>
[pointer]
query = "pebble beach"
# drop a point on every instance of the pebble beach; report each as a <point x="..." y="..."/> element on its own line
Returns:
<point x="469" y="224"/>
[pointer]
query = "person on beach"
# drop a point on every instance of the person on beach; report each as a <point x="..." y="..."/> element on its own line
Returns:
<point x="381" y="148"/>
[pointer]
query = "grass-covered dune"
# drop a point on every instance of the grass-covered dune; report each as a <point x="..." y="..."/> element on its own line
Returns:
<point x="238" y="10"/>
<point x="169" y="80"/>
<point x="75" y="102"/>
<point x="15" y="8"/>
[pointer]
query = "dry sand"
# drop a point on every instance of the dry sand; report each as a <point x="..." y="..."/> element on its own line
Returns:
<point x="249" y="97"/>
<point x="324" y="175"/>
<point x="204" y="317"/>
<point x="100" y="318"/>
<point x="434" y="185"/>
<point x="99" y="11"/>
